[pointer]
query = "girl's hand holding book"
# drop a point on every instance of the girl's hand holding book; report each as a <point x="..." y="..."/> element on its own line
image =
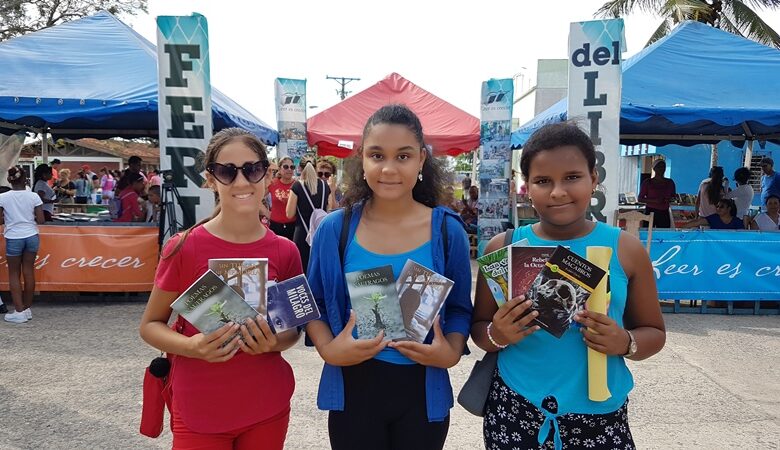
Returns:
<point x="439" y="353"/>
<point x="217" y="346"/>
<point x="345" y="350"/>
<point x="511" y="323"/>
<point x="257" y="337"/>
<point x="602" y="333"/>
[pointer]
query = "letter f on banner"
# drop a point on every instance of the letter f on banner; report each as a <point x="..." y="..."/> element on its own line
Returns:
<point x="184" y="110"/>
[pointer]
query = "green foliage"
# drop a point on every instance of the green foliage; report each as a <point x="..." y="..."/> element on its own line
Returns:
<point x="463" y="163"/>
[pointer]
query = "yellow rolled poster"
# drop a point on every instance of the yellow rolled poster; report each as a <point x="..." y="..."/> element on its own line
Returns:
<point x="598" y="391"/>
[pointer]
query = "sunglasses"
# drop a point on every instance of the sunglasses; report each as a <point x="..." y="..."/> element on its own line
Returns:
<point x="227" y="173"/>
<point x="288" y="166"/>
<point x="324" y="174"/>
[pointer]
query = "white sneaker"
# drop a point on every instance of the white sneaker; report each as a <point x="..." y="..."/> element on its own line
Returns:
<point x="16" y="317"/>
<point x="28" y="313"/>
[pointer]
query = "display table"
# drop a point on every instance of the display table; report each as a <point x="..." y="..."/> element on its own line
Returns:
<point x="94" y="257"/>
<point x="716" y="264"/>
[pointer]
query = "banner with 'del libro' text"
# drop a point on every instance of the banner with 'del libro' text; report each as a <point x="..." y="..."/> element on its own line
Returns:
<point x="595" y="49"/>
<point x="185" y="121"/>
<point x="291" y="118"/>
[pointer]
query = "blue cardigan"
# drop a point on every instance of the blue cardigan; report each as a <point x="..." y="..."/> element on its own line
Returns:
<point x="326" y="277"/>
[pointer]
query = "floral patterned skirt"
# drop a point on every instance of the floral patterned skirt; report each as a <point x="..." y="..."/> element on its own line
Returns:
<point x="512" y="422"/>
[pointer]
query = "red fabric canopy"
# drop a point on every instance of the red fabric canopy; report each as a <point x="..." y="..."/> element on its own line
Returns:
<point x="449" y="130"/>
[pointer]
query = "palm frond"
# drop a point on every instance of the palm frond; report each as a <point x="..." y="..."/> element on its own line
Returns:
<point x="661" y="31"/>
<point x="762" y="4"/>
<point x="725" y="24"/>
<point x="680" y="10"/>
<point x="620" y="8"/>
<point x="750" y="23"/>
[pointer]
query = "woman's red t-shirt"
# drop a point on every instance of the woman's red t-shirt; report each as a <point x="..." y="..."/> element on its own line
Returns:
<point x="247" y="389"/>
<point x="130" y="207"/>
<point x="280" y="192"/>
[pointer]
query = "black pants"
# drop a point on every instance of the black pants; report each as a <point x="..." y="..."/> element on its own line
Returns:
<point x="384" y="409"/>
<point x="299" y="237"/>
<point x="661" y="218"/>
<point x="284" y="229"/>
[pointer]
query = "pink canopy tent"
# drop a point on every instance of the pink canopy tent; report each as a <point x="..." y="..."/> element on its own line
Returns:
<point x="338" y="130"/>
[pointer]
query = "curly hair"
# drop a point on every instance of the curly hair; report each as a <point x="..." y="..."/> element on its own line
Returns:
<point x="553" y="136"/>
<point x="428" y="191"/>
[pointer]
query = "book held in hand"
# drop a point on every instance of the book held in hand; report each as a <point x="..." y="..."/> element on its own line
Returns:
<point x="246" y="276"/>
<point x="495" y="268"/>
<point x="561" y="289"/>
<point x="209" y="303"/>
<point x="375" y="302"/>
<point x="421" y="293"/>
<point x="525" y="263"/>
<point x="290" y="304"/>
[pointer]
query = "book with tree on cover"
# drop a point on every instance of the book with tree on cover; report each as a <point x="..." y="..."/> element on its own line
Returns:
<point x="561" y="289"/>
<point x="247" y="276"/>
<point x="421" y="293"/>
<point x="375" y="302"/>
<point x="290" y="304"/>
<point x="495" y="268"/>
<point x="209" y="303"/>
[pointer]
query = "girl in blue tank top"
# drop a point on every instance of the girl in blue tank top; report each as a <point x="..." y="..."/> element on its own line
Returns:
<point x="539" y="395"/>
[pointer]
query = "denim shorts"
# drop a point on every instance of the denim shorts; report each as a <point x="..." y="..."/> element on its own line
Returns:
<point x="15" y="247"/>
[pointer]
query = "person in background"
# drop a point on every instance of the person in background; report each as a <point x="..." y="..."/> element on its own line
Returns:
<point x="83" y="188"/>
<point x="131" y="208"/>
<point x="449" y="199"/>
<point x="152" y="204"/>
<point x="770" y="181"/>
<point x="326" y="171"/>
<point x="41" y="179"/>
<point x="97" y="193"/>
<point x="88" y="171"/>
<point x="308" y="188"/>
<point x="280" y="194"/>
<point x="469" y="211"/>
<point x="724" y="219"/>
<point x="265" y="207"/>
<point x="65" y="188"/>
<point x="742" y="195"/>
<point x="710" y="192"/>
<point x="55" y="172"/>
<point x="465" y="184"/>
<point x="154" y="178"/>
<point x="21" y="211"/>
<point x="107" y="185"/>
<point x="770" y="219"/>
<point x="656" y="193"/>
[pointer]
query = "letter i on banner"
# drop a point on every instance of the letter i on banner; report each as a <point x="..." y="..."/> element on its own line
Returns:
<point x="184" y="118"/>
<point x="595" y="75"/>
<point x="496" y="123"/>
<point x="291" y="118"/>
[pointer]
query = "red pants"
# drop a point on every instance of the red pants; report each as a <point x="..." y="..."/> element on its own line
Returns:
<point x="267" y="435"/>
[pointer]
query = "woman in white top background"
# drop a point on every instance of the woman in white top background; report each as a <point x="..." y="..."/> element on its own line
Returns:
<point x="742" y="195"/>
<point x="769" y="220"/>
<point x="710" y="192"/>
<point x="20" y="211"/>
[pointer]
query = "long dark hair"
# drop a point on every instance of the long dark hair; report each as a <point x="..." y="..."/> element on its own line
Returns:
<point x="428" y="191"/>
<point x="40" y="171"/>
<point x="715" y="188"/>
<point x="218" y="141"/>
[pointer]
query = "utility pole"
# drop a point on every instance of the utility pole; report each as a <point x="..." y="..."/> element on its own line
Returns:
<point x="343" y="81"/>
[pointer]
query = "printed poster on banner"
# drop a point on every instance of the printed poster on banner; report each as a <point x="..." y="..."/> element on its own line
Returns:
<point x="184" y="118"/>
<point x="495" y="130"/>
<point x="595" y="57"/>
<point x="291" y="118"/>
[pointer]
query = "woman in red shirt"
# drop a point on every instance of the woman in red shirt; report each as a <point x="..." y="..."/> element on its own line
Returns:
<point x="280" y="193"/>
<point x="656" y="193"/>
<point x="131" y="210"/>
<point x="227" y="393"/>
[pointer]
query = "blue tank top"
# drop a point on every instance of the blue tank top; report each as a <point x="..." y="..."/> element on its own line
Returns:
<point x="358" y="258"/>
<point x="541" y="365"/>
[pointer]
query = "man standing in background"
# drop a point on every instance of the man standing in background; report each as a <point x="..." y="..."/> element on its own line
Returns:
<point x="55" y="173"/>
<point x="770" y="182"/>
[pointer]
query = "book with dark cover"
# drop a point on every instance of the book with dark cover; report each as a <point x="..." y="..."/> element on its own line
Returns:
<point x="290" y="304"/>
<point x="525" y="263"/>
<point x="561" y="289"/>
<point x="495" y="268"/>
<point x="210" y="303"/>
<point x="421" y="293"/>
<point x="247" y="276"/>
<point x="375" y="302"/>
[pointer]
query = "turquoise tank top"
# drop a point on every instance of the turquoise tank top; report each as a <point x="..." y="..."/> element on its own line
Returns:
<point x="541" y="365"/>
<point x="358" y="258"/>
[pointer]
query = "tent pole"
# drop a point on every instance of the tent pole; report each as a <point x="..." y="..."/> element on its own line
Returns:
<point x="714" y="156"/>
<point x="748" y="154"/>
<point x="44" y="146"/>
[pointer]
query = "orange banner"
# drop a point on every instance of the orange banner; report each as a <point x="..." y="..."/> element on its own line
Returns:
<point x="92" y="259"/>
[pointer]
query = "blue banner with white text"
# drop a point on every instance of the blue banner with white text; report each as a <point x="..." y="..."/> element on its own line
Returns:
<point x="716" y="265"/>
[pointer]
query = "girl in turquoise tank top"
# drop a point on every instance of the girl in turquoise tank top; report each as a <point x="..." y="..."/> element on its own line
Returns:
<point x="539" y="395"/>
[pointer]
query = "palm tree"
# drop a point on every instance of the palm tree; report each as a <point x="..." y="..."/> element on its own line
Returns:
<point x="735" y="16"/>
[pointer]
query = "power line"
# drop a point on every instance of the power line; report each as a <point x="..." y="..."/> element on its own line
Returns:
<point x="343" y="81"/>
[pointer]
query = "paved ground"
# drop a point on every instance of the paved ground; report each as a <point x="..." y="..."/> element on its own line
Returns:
<point x="71" y="379"/>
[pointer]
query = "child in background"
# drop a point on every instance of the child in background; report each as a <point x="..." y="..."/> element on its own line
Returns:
<point x="541" y="380"/>
<point x="20" y="212"/>
<point x="228" y="393"/>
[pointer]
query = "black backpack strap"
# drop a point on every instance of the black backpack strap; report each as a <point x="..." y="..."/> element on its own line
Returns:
<point x="344" y="234"/>
<point x="509" y="233"/>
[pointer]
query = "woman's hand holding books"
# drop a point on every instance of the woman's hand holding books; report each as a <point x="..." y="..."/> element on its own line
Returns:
<point x="345" y="350"/>
<point x="257" y="337"/>
<point x="217" y="346"/>
<point x="602" y="333"/>
<point x="511" y="321"/>
<point x="439" y="353"/>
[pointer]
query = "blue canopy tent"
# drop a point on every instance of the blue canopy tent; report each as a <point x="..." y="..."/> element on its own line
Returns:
<point x="696" y="85"/>
<point x="94" y="77"/>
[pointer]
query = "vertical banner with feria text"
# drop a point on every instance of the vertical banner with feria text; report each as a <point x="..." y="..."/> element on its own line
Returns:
<point x="595" y="50"/>
<point x="185" y="122"/>
<point x="291" y="117"/>
<point x="495" y="127"/>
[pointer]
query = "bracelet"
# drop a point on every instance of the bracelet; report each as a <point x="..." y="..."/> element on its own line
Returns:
<point x="493" y="341"/>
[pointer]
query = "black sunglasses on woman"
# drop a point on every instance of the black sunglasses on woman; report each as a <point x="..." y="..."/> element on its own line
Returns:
<point x="227" y="173"/>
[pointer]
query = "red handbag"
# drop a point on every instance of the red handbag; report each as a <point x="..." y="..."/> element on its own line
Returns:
<point x="157" y="392"/>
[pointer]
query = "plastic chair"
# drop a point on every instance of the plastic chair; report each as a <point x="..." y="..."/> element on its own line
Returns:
<point x="633" y="221"/>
